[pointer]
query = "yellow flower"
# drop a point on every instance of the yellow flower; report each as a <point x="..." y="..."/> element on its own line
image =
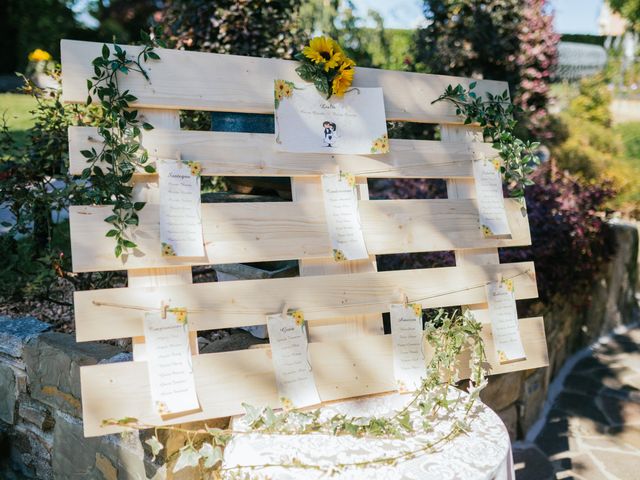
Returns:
<point x="286" y="403"/>
<point x="195" y="167"/>
<point x="349" y="178"/>
<point x="161" y="408"/>
<point x="417" y="309"/>
<point x="298" y="316"/>
<point x="508" y="284"/>
<point x="502" y="357"/>
<point x="338" y="256"/>
<point x="384" y="144"/>
<point x="496" y="164"/>
<point x="324" y="50"/>
<point x="181" y="315"/>
<point x="342" y="81"/>
<point x="39" y="56"/>
<point x="486" y="231"/>
<point x="279" y="88"/>
<point x="167" y="250"/>
<point x="402" y="388"/>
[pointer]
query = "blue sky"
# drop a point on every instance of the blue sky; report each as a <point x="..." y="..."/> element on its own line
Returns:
<point x="572" y="16"/>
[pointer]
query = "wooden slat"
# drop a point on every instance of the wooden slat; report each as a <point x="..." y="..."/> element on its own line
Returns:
<point x="100" y="314"/>
<point x="207" y="81"/>
<point x="232" y="154"/>
<point x="224" y="381"/>
<point x="243" y="232"/>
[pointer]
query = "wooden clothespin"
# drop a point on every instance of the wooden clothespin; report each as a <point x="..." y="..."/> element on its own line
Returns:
<point x="163" y="309"/>
<point x="285" y="310"/>
<point x="178" y="155"/>
<point x="405" y="300"/>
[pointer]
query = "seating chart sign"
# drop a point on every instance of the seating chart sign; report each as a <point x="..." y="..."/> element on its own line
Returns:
<point x="343" y="220"/>
<point x="180" y="215"/>
<point x="408" y="353"/>
<point x="493" y="216"/>
<point x="289" y="349"/>
<point x="306" y="122"/>
<point x="504" y="321"/>
<point x="173" y="388"/>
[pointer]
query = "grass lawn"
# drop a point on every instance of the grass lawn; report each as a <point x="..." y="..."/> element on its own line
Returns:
<point x="630" y="133"/>
<point x="15" y="107"/>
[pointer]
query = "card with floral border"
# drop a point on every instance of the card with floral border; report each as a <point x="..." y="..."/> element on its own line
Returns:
<point x="343" y="219"/>
<point x="488" y="181"/>
<point x="504" y="321"/>
<point x="306" y="122"/>
<point x="180" y="214"/>
<point x="290" y="356"/>
<point x="409" y="366"/>
<point x="173" y="388"/>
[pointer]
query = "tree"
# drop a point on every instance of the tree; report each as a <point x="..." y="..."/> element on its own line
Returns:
<point x="260" y="28"/>
<point x="629" y="9"/>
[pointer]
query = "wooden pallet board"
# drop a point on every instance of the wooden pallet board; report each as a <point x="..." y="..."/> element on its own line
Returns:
<point x="233" y="154"/>
<point x="230" y="83"/>
<point x="256" y="232"/>
<point x="224" y="381"/>
<point x="248" y="302"/>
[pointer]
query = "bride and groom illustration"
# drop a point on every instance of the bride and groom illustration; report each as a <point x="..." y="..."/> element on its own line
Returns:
<point x="330" y="136"/>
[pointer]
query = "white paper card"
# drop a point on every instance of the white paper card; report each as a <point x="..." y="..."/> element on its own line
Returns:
<point x="173" y="388"/>
<point x="493" y="216"/>
<point x="504" y="321"/>
<point x="180" y="215"/>
<point x="343" y="219"/>
<point x="306" y="122"/>
<point x="408" y="353"/>
<point x="289" y="350"/>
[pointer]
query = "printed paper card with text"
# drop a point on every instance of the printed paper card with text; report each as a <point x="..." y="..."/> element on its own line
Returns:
<point x="180" y="215"/>
<point x="306" y="122"/>
<point x="493" y="216"/>
<point x="504" y="321"/>
<point x="343" y="220"/>
<point x="289" y="350"/>
<point x="173" y="388"/>
<point x="408" y="353"/>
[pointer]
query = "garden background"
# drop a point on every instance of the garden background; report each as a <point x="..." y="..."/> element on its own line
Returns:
<point x="578" y="94"/>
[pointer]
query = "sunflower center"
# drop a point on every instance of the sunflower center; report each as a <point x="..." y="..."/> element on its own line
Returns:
<point x="325" y="55"/>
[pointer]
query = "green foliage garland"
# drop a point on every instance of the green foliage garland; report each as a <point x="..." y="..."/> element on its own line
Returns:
<point x="496" y="117"/>
<point x="448" y="334"/>
<point x="111" y="169"/>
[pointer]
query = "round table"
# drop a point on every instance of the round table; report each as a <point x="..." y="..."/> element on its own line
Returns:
<point x="483" y="453"/>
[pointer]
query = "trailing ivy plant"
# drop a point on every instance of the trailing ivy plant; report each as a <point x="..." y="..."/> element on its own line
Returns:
<point x="448" y="334"/>
<point x="496" y="117"/>
<point x="111" y="168"/>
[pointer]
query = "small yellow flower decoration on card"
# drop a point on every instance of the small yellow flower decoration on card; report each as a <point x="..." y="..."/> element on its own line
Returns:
<point x="167" y="250"/>
<point x="508" y="283"/>
<point x="338" y="255"/>
<point x="417" y="309"/>
<point x="282" y="89"/>
<point x="402" y="387"/>
<point x="181" y="314"/>
<point x="380" y="144"/>
<point x="161" y="408"/>
<point x="486" y="231"/>
<point x="349" y="178"/>
<point x="502" y="357"/>
<point x="195" y="168"/>
<point x="324" y="63"/>
<point x="298" y="316"/>
<point x="286" y="403"/>
<point x="496" y="164"/>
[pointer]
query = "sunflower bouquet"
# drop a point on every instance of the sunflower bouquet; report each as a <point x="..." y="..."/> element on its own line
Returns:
<point x="325" y="65"/>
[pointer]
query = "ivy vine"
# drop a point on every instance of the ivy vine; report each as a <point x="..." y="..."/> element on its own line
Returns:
<point x="112" y="167"/>
<point x="449" y="333"/>
<point x="496" y="117"/>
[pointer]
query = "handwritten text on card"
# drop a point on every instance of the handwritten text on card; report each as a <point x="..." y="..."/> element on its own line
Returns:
<point x="504" y="321"/>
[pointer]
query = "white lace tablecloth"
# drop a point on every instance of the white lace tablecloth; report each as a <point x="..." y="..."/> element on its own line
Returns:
<point x="484" y="453"/>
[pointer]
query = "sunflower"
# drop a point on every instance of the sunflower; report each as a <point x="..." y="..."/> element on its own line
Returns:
<point x="167" y="250"/>
<point x="338" y="256"/>
<point x="486" y="231"/>
<point x="39" y="55"/>
<point x="298" y="317"/>
<point x="286" y="403"/>
<point x="417" y="309"/>
<point x="343" y="79"/>
<point x="508" y="284"/>
<point x="323" y="50"/>
<point x="181" y="315"/>
<point x="161" y="408"/>
<point x="384" y="144"/>
<point x="496" y="164"/>
<point x="350" y="179"/>
<point x="279" y="88"/>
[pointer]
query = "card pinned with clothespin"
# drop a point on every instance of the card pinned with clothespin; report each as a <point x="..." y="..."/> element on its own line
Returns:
<point x="168" y="355"/>
<point x="505" y="326"/>
<point x="289" y="352"/>
<point x="180" y="215"/>
<point x="408" y="353"/>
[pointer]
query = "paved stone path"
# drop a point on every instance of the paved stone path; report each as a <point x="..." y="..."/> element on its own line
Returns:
<point x="592" y="430"/>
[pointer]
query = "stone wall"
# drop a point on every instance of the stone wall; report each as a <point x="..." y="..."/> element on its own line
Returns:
<point x="40" y="411"/>
<point x="571" y="324"/>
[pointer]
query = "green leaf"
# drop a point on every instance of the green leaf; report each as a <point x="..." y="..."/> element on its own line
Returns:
<point x="129" y="244"/>
<point x="118" y="251"/>
<point x="211" y="455"/>
<point x="105" y="52"/>
<point x="153" y="55"/>
<point x="472" y="85"/>
<point x="86" y="153"/>
<point x="147" y="126"/>
<point x="155" y="446"/>
<point x="111" y="233"/>
<point x="138" y="205"/>
<point x="111" y="218"/>
<point x="188" y="457"/>
<point x="150" y="169"/>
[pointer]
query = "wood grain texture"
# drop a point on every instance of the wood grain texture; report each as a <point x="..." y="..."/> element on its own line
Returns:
<point x="342" y="369"/>
<point x="100" y="314"/>
<point x="233" y="153"/>
<point x="254" y="232"/>
<point x="231" y="83"/>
